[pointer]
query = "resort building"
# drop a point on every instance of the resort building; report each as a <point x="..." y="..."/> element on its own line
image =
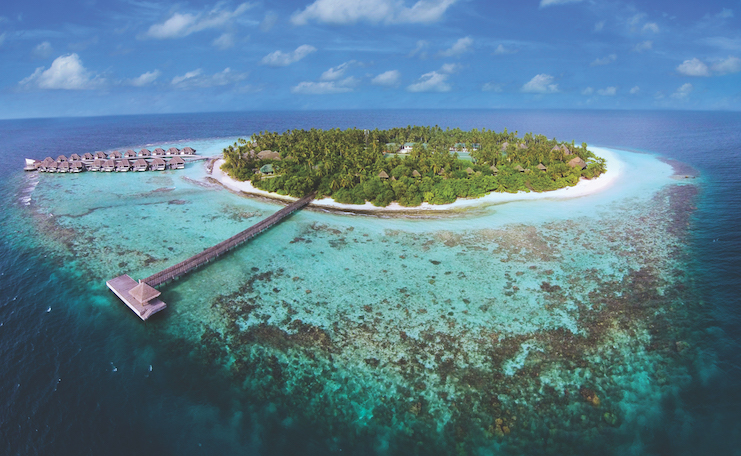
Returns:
<point x="145" y="153"/>
<point x="140" y="165"/>
<point x="130" y="154"/>
<point x="577" y="161"/>
<point x="187" y="150"/>
<point x="74" y="157"/>
<point x="173" y="151"/>
<point x="61" y="158"/>
<point x="109" y="166"/>
<point x="87" y="156"/>
<point x="268" y="155"/>
<point x="176" y="163"/>
<point x="101" y="155"/>
<point x="63" y="167"/>
<point x="76" y="166"/>
<point x="97" y="165"/>
<point x="115" y="155"/>
<point x="158" y="164"/>
<point x="123" y="166"/>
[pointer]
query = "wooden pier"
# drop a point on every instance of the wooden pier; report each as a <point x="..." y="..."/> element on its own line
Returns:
<point x="123" y="284"/>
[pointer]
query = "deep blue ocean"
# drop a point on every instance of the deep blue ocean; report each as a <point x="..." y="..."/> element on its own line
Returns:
<point x="77" y="381"/>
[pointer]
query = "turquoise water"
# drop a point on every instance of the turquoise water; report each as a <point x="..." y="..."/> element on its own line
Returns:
<point x="492" y="331"/>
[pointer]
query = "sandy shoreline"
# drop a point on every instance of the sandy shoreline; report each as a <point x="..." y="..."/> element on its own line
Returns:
<point x="584" y="187"/>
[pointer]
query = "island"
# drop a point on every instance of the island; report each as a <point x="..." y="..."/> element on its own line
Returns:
<point x="408" y="165"/>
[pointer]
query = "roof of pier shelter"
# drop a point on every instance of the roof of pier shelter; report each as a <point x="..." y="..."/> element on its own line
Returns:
<point x="143" y="292"/>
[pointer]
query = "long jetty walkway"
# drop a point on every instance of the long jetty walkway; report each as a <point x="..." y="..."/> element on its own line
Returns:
<point x="126" y="288"/>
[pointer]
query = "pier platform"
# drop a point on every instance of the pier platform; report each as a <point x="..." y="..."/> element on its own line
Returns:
<point x="143" y="302"/>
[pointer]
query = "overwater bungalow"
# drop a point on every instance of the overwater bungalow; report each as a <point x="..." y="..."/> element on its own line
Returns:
<point x="63" y="167"/>
<point x="115" y="155"/>
<point x="383" y="175"/>
<point x="542" y="167"/>
<point x="123" y="166"/>
<point x="187" y="150"/>
<point x="97" y="164"/>
<point x="74" y="157"/>
<point x="101" y="155"/>
<point x="52" y="167"/>
<point x="577" y="161"/>
<point x="145" y="153"/>
<point x="109" y="166"/>
<point x="140" y="165"/>
<point x="176" y="163"/>
<point x="76" y="166"/>
<point x="130" y="154"/>
<point x="173" y="151"/>
<point x="143" y="293"/>
<point x="158" y="164"/>
<point x="87" y="156"/>
<point x="61" y="158"/>
<point x="159" y="152"/>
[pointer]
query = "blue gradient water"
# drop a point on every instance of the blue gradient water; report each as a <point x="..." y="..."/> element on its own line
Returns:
<point x="80" y="375"/>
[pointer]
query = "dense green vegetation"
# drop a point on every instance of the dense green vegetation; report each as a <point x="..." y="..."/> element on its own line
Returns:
<point x="355" y="166"/>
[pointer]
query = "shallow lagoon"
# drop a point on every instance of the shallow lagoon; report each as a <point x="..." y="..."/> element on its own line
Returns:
<point x="497" y="328"/>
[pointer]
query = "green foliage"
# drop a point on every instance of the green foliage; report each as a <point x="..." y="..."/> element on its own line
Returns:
<point x="346" y="164"/>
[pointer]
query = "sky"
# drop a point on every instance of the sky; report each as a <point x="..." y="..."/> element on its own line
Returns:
<point x="110" y="57"/>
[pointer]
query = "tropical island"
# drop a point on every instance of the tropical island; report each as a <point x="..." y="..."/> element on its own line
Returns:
<point x="408" y="165"/>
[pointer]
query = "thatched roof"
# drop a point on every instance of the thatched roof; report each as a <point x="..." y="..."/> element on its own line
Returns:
<point x="130" y="153"/>
<point x="101" y="155"/>
<point x="522" y="146"/>
<point x="109" y="163"/>
<point x="176" y="161"/>
<point x="188" y="150"/>
<point x="556" y="148"/>
<point x="505" y="145"/>
<point x="148" y="153"/>
<point x="469" y="170"/>
<point x="268" y="155"/>
<point x="577" y="161"/>
<point x="116" y="154"/>
<point x="61" y="158"/>
<point x="143" y="293"/>
<point x="565" y="150"/>
<point x="64" y="165"/>
<point x="383" y="175"/>
<point x="158" y="161"/>
<point x="519" y="168"/>
<point x="415" y="173"/>
<point x="542" y="167"/>
<point x="493" y="169"/>
<point x="173" y="151"/>
<point x="441" y="172"/>
<point x="77" y="164"/>
<point x="87" y="156"/>
<point x="124" y="164"/>
<point x="393" y="178"/>
<point x="98" y="163"/>
<point x="74" y="157"/>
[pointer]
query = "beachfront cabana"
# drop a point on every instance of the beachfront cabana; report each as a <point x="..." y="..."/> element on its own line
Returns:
<point x="158" y="164"/>
<point x="87" y="156"/>
<point x="61" y="158"/>
<point x="76" y="166"/>
<point x="494" y="169"/>
<point x="116" y="155"/>
<point x="109" y="166"/>
<point x="74" y="157"/>
<point x="176" y="163"/>
<point x="542" y="167"/>
<point x="130" y="154"/>
<point x="469" y="171"/>
<point x="143" y="293"/>
<point x="145" y="153"/>
<point x="415" y="173"/>
<point x="577" y="161"/>
<point x="268" y="155"/>
<point x="187" y="150"/>
<point x="97" y="165"/>
<point x="123" y="166"/>
<point x="140" y="165"/>
<point x="101" y="155"/>
<point x="173" y="151"/>
<point x="63" y="167"/>
<point x="383" y="175"/>
<point x="519" y="168"/>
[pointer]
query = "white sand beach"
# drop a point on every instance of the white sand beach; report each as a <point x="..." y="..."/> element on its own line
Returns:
<point x="584" y="187"/>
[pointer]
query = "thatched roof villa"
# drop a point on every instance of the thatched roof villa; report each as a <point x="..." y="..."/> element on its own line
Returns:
<point x="173" y="151"/>
<point x="187" y="150"/>
<point x="97" y="164"/>
<point x="145" y="153"/>
<point x="140" y="165"/>
<point x="74" y="157"/>
<point x="158" y="164"/>
<point x="519" y="168"/>
<point x="577" y="161"/>
<point x="130" y="154"/>
<point x="268" y="155"/>
<point x="63" y="167"/>
<point x="123" y="166"/>
<point x="87" y="156"/>
<point x="415" y="173"/>
<point x="115" y="155"/>
<point x="61" y="158"/>
<point x="109" y="165"/>
<point x="76" y="166"/>
<point x="383" y="175"/>
<point x="101" y="155"/>
<point x="494" y="169"/>
<point x="176" y="163"/>
<point x="542" y="167"/>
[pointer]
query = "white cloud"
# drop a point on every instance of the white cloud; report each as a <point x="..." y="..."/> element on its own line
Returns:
<point x="587" y="91"/>
<point x="607" y="91"/>
<point x="651" y="27"/>
<point x="635" y="90"/>
<point x="693" y="67"/>
<point x="644" y="46"/>
<point x="269" y="21"/>
<point x="43" y="50"/>
<point x="729" y="65"/>
<point x="501" y="50"/>
<point x="599" y="26"/>
<point x="389" y="78"/>
<point x="280" y="58"/>
<point x="421" y="46"/>
<point x="492" y="87"/>
<point x="725" y="13"/>
<point x="604" y="60"/>
<point x="450" y="68"/>
<point x="324" y="87"/>
<point x="343" y="12"/>
<point x="461" y="46"/>
<point x="66" y="72"/>
<point x="196" y="78"/>
<point x="336" y="73"/>
<point x="542" y="83"/>
<point x="431" y="82"/>
<point x="180" y="25"/>
<point x="544" y="3"/>
<point x="683" y="92"/>
<point x="145" y="79"/>
<point x="225" y="41"/>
